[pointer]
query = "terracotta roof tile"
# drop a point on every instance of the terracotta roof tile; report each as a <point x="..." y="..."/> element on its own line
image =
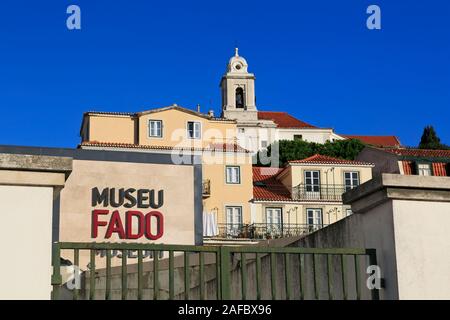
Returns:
<point x="321" y="159"/>
<point x="267" y="187"/>
<point x="283" y="119"/>
<point x="223" y="147"/>
<point x="110" y="113"/>
<point x="378" y="141"/>
<point x="419" y="152"/>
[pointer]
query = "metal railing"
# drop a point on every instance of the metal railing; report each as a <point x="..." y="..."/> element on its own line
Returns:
<point x="206" y="188"/>
<point x="274" y="231"/>
<point x="233" y="231"/>
<point x="327" y="192"/>
<point x="246" y="272"/>
<point x="265" y="230"/>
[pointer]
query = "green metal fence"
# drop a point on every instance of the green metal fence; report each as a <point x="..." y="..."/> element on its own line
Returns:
<point x="217" y="272"/>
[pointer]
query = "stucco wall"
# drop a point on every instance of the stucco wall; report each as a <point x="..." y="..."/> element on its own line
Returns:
<point x="175" y="130"/>
<point x="178" y="209"/>
<point x="223" y="194"/>
<point x="310" y="135"/>
<point x="422" y="241"/>
<point x="25" y="241"/>
<point x="295" y="213"/>
<point x="327" y="176"/>
<point x="385" y="162"/>
<point x="119" y="129"/>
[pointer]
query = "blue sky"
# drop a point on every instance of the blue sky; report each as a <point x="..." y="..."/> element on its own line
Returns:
<point x="314" y="59"/>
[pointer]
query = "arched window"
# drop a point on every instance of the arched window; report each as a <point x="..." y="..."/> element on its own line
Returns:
<point x="240" y="98"/>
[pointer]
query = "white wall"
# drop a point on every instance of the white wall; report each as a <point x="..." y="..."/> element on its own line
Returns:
<point x="422" y="241"/>
<point x="310" y="135"/>
<point x="25" y="242"/>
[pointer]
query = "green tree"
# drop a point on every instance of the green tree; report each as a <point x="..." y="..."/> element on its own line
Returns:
<point x="296" y="150"/>
<point x="430" y="140"/>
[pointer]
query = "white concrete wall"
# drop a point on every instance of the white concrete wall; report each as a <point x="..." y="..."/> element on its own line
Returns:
<point x="422" y="241"/>
<point x="406" y="219"/>
<point x="310" y="135"/>
<point x="25" y="242"/>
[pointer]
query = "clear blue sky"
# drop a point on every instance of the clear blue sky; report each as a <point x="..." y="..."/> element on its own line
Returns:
<point x="314" y="59"/>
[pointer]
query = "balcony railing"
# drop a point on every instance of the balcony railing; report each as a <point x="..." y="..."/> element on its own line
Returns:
<point x="206" y="188"/>
<point x="328" y="192"/>
<point x="262" y="231"/>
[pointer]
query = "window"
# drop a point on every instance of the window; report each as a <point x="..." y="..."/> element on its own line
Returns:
<point x="155" y="128"/>
<point x="233" y="175"/>
<point x="194" y="130"/>
<point x="240" y="98"/>
<point x="424" y="169"/>
<point x="312" y="181"/>
<point x="314" y="218"/>
<point x="351" y="180"/>
<point x="274" y="221"/>
<point x="298" y="137"/>
<point x="264" y="144"/>
<point x="234" y="221"/>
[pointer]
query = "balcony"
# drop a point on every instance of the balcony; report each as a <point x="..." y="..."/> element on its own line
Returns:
<point x="323" y="192"/>
<point x="263" y="231"/>
<point x="206" y="188"/>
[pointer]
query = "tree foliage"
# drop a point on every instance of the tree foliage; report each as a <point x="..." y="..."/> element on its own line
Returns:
<point x="299" y="149"/>
<point x="430" y="139"/>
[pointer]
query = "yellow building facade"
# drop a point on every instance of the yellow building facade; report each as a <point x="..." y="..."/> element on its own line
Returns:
<point x="243" y="201"/>
<point x="304" y="196"/>
<point x="226" y="167"/>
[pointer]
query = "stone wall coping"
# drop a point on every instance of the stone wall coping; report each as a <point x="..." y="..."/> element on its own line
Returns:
<point x="395" y="186"/>
<point x="39" y="163"/>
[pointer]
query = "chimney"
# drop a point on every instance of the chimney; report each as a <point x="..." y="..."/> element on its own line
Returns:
<point x="211" y="113"/>
<point x="198" y="107"/>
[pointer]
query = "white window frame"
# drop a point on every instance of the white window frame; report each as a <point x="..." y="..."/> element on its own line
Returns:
<point x="420" y="171"/>
<point x="351" y="185"/>
<point x="233" y="227"/>
<point x="315" y="187"/>
<point x="316" y="220"/>
<point x="150" y="128"/>
<point x="199" y="130"/>
<point x="238" y="176"/>
<point x="270" y="211"/>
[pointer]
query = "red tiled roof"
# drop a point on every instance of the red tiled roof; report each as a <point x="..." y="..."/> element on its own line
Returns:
<point x="283" y="119"/>
<point x="267" y="187"/>
<point x="378" y="141"/>
<point x="419" y="152"/>
<point x="321" y="159"/>
<point x="232" y="147"/>
<point x="223" y="147"/>
<point x="109" y="113"/>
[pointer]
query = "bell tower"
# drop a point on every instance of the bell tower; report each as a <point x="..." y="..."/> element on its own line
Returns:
<point x="238" y="91"/>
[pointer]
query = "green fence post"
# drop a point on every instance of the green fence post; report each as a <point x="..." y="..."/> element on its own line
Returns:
<point x="56" y="276"/>
<point x="225" y="273"/>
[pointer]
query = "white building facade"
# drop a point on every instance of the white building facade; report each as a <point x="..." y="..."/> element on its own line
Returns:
<point x="259" y="129"/>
